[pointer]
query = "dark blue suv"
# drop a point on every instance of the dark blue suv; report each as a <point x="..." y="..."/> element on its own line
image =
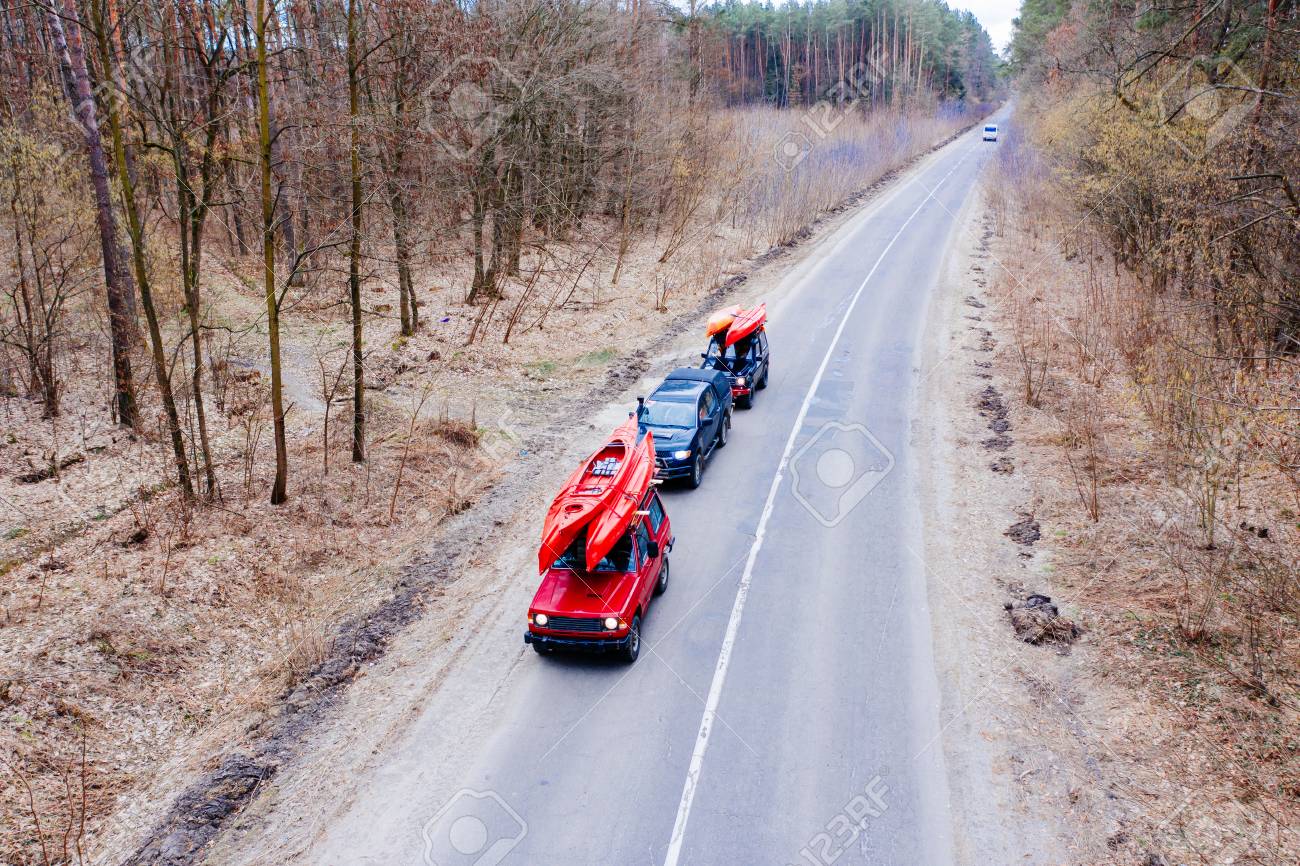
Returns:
<point x="690" y="415"/>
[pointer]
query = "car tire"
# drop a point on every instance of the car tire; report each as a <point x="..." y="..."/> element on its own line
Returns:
<point x="662" y="583"/>
<point x="697" y="472"/>
<point x="724" y="431"/>
<point x="633" y="648"/>
<point x="541" y="650"/>
<point x="747" y="402"/>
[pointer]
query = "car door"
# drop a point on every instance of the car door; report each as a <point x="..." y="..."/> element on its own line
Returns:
<point x="648" y="565"/>
<point x="660" y="526"/>
<point x="708" y="418"/>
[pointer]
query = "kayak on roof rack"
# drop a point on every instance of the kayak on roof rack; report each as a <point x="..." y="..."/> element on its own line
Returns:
<point x="604" y="552"/>
<point x="739" y="348"/>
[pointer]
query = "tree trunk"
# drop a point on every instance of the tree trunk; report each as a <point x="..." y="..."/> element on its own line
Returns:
<point x="40" y="375"/>
<point x="406" y="287"/>
<point x="354" y="251"/>
<point x="476" y="228"/>
<point x="135" y="228"/>
<point x="279" y="490"/>
<point x="235" y="192"/>
<point x="514" y="235"/>
<point x="72" y="59"/>
<point x="410" y="310"/>
<point x="192" y="215"/>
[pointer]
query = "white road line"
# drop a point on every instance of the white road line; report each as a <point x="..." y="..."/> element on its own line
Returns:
<point x="742" y="592"/>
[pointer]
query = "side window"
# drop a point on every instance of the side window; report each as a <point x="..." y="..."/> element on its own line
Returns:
<point x="708" y="402"/>
<point x="656" y="509"/>
<point x="762" y="341"/>
<point x="642" y="544"/>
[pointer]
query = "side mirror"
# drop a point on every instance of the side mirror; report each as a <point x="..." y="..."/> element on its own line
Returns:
<point x="653" y="549"/>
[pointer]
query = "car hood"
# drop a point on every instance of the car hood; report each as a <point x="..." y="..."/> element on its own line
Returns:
<point x="670" y="438"/>
<point x="568" y="593"/>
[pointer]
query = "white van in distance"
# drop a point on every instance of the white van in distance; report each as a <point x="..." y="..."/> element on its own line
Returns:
<point x="991" y="132"/>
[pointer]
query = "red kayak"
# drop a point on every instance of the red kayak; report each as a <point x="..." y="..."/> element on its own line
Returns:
<point x="611" y="522"/>
<point x="746" y="323"/>
<point x="721" y="320"/>
<point x="590" y="490"/>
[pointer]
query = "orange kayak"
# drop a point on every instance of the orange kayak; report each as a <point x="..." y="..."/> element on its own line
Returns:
<point x="589" y="490"/>
<point x="721" y="320"/>
<point x="746" y="323"/>
<point x="612" y="521"/>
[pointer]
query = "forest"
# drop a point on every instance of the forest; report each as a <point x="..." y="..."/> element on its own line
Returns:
<point x="795" y="54"/>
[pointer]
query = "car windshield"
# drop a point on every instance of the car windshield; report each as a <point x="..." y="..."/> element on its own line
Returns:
<point x="617" y="560"/>
<point x="663" y="413"/>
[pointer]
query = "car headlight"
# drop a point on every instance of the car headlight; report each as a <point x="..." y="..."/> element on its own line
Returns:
<point x="611" y="623"/>
<point x="681" y="455"/>
<point x="740" y="380"/>
<point x="541" y="619"/>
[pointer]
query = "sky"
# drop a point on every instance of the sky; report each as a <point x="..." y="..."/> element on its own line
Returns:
<point x="995" y="15"/>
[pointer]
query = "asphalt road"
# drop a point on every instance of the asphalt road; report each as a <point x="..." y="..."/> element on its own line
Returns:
<point x="785" y="707"/>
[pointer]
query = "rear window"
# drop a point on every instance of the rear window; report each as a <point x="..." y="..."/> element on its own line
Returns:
<point x="734" y="355"/>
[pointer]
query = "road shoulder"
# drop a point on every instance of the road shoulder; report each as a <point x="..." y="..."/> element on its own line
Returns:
<point x="1026" y="785"/>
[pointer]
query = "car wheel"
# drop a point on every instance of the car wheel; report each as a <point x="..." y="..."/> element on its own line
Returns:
<point x="697" y="472"/>
<point x="747" y="402"/>
<point x="662" y="583"/>
<point x="541" y="650"/>
<point x="724" y="431"/>
<point x="633" y="648"/>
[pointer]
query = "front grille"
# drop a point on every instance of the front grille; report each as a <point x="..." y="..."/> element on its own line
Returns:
<point x="574" y="623"/>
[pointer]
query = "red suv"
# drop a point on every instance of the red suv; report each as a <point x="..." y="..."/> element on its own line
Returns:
<point x="601" y="609"/>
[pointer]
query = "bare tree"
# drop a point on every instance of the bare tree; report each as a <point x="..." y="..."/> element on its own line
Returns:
<point x="279" y="489"/>
<point x="76" y="82"/>
<point x="354" y="61"/>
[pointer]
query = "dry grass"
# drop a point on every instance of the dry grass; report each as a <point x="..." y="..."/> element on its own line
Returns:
<point x="130" y="624"/>
<point x="1173" y="503"/>
<point x="832" y="153"/>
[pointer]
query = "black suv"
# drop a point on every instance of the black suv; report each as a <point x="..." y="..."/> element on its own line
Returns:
<point x="746" y="364"/>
